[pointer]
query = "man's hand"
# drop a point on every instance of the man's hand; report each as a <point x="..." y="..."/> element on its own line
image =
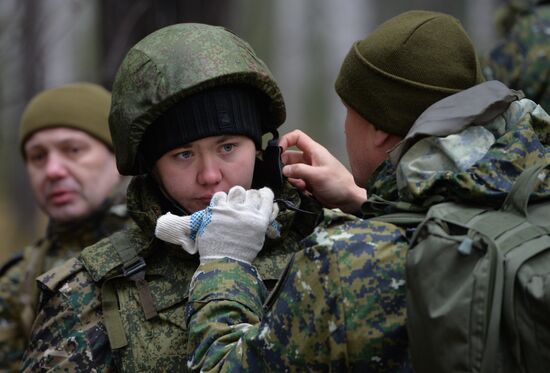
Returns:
<point x="313" y="169"/>
<point x="234" y="225"/>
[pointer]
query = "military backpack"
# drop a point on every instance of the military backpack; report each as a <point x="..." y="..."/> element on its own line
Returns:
<point x="478" y="285"/>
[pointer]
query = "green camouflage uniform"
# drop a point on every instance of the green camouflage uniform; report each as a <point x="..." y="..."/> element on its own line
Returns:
<point x="70" y="330"/>
<point x="341" y="303"/>
<point x="18" y="290"/>
<point x="522" y="59"/>
<point x="120" y="305"/>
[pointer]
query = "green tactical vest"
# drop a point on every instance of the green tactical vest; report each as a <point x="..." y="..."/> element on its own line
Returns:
<point x="144" y="287"/>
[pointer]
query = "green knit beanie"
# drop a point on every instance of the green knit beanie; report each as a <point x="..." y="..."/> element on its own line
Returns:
<point x="83" y="106"/>
<point x="404" y="66"/>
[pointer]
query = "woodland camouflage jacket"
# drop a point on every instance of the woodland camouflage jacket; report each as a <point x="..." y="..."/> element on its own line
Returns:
<point x="18" y="290"/>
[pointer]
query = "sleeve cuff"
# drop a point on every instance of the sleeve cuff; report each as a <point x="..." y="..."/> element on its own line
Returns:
<point x="228" y="279"/>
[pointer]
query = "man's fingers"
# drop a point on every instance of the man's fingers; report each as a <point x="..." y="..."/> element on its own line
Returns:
<point x="290" y="139"/>
<point x="299" y="184"/>
<point x="300" y="140"/>
<point x="293" y="157"/>
<point x="301" y="171"/>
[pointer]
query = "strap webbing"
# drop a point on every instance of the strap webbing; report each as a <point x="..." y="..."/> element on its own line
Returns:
<point x="401" y="218"/>
<point x="492" y="339"/>
<point x="133" y="268"/>
<point x="462" y="215"/>
<point x="111" y="315"/>
<point x="494" y="223"/>
<point x="514" y="261"/>
<point x="519" y="236"/>
<point x="145" y="296"/>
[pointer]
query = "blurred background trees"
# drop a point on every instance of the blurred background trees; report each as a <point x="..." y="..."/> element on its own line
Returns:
<point x="45" y="43"/>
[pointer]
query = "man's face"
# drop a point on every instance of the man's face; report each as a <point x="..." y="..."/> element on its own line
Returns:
<point x="364" y="156"/>
<point x="191" y="174"/>
<point x="71" y="172"/>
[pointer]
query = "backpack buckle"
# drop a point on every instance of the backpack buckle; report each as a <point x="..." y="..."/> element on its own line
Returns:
<point x="134" y="267"/>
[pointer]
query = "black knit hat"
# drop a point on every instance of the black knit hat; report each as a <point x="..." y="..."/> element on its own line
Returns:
<point x="224" y="110"/>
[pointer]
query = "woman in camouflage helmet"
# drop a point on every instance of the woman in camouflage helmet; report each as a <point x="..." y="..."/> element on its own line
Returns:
<point x="190" y="105"/>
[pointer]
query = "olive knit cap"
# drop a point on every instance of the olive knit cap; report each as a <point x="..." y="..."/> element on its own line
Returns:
<point x="404" y="66"/>
<point x="82" y="106"/>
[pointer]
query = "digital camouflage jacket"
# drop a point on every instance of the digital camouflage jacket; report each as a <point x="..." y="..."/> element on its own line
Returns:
<point x="339" y="306"/>
<point x="341" y="303"/>
<point x="522" y="59"/>
<point x="99" y="315"/>
<point x="18" y="290"/>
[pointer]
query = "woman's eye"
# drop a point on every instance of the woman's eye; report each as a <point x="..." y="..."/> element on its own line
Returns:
<point x="228" y="147"/>
<point x="185" y="155"/>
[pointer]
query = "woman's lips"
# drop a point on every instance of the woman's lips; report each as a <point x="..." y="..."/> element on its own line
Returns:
<point x="205" y="200"/>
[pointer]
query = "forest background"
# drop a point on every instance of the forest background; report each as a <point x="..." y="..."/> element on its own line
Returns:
<point x="46" y="43"/>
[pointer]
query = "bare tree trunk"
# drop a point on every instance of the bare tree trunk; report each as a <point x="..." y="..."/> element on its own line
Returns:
<point x="32" y="67"/>
<point x="24" y="207"/>
<point x="125" y="22"/>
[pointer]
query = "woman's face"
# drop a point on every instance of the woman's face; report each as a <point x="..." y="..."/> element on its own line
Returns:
<point x="192" y="173"/>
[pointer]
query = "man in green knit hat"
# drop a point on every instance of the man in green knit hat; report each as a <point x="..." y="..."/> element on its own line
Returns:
<point x="68" y="153"/>
<point x="421" y="127"/>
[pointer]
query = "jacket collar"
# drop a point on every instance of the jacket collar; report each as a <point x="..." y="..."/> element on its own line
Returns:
<point x="474" y="106"/>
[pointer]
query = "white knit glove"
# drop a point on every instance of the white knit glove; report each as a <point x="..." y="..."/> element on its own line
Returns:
<point x="234" y="225"/>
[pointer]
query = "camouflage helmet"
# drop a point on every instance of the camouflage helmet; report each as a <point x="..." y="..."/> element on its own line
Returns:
<point x="173" y="63"/>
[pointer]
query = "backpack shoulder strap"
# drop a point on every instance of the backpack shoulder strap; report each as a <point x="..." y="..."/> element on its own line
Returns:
<point x="518" y="198"/>
<point x="402" y="219"/>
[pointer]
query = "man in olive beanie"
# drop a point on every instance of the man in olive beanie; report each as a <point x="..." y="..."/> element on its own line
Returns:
<point x="386" y="81"/>
<point x="422" y="127"/>
<point x="65" y="142"/>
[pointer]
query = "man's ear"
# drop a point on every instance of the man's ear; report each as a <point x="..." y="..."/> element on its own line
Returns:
<point x="380" y="137"/>
<point x="384" y="140"/>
